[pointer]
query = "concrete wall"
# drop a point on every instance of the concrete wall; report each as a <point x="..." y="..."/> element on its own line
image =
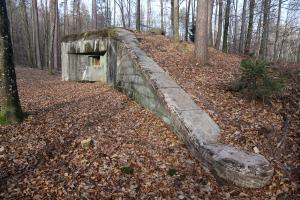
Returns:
<point x="131" y="71"/>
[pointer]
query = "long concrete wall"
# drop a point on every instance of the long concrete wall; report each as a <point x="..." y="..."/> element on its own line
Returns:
<point x="131" y="71"/>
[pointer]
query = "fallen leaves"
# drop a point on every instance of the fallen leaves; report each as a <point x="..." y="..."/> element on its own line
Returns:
<point x="249" y="125"/>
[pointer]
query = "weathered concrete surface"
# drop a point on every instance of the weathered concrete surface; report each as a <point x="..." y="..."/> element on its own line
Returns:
<point x="131" y="71"/>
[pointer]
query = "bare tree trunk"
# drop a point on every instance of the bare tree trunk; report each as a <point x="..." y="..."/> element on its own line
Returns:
<point x="298" y="53"/>
<point x="226" y="25"/>
<point x="264" y="40"/>
<point x="235" y="26"/>
<point x="148" y="14"/>
<point x="51" y="65"/>
<point x="201" y="38"/>
<point x="176" y="20"/>
<point x="121" y="6"/>
<point x="56" y="39"/>
<point x="10" y="10"/>
<point x="243" y="27"/>
<point x="187" y="19"/>
<point x="78" y="24"/>
<point x="277" y="31"/>
<point x="94" y="14"/>
<point x="138" y="15"/>
<point x="66" y="21"/>
<point x="250" y="27"/>
<point x="115" y="13"/>
<point x="210" y="15"/>
<point x="162" y="15"/>
<point x="36" y="34"/>
<point x="10" y="107"/>
<point x="27" y="33"/>
<point x="219" y="34"/>
<point x="215" y="22"/>
<point x="172" y="18"/>
<point x="46" y="34"/>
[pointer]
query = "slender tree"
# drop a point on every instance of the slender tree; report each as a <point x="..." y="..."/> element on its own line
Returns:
<point x="243" y="28"/>
<point x="53" y="38"/>
<point x="66" y="21"/>
<point x="138" y="15"/>
<point x="10" y="107"/>
<point x="210" y="15"/>
<point x="277" y="31"/>
<point x="250" y="27"/>
<point x="176" y="20"/>
<point x="162" y="15"/>
<point x="219" y="34"/>
<point x="36" y="34"/>
<point x="172" y="18"/>
<point x="265" y="27"/>
<point x="94" y="14"/>
<point x="201" y="38"/>
<point x="27" y="32"/>
<point x="226" y="27"/>
<point x="187" y="19"/>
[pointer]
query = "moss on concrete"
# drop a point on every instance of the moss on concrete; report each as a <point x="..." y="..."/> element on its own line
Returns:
<point x="88" y="47"/>
<point x="105" y="32"/>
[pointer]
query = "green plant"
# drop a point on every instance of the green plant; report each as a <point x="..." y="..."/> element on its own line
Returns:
<point x="256" y="81"/>
<point x="127" y="170"/>
<point x="172" y="172"/>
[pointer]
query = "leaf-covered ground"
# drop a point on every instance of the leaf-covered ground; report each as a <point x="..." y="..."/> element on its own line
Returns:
<point x="250" y="125"/>
<point x="134" y="154"/>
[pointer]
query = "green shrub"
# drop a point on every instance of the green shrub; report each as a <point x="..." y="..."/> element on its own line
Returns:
<point x="256" y="81"/>
<point x="172" y="172"/>
<point x="127" y="170"/>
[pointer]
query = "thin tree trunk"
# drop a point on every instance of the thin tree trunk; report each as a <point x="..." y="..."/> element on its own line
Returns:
<point x="66" y="22"/>
<point x="219" y="34"/>
<point x="201" y="38"/>
<point x="277" y="30"/>
<point x="78" y="24"/>
<point x="138" y="15"/>
<point x="172" y="18"/>
<point x="36" y="34"/>
<point x="11" y="21"/>
<point x="94" y="14"/>
<point x="45" y="40"/>
<point x="250" y="27"/>
<point x="264" y="38"/>
<point x="56" y="39"/>
<point x="226" y="25"/>
<point x="115" y="13"/>
<point x="51" y="64"/>
<point x="210" y="15"/>
<point x="162" y="15"/>
<point x="27" y="33"/>
<point x="298" y="53"/>
<point x="148" y="14"/>
<point x="216" y="24"/>
<point x="243" y="28"/>
<point x="187" y="19"/>
<point x="10" y="107"/>
<point x="176" y="20"/>
<point x="235" y="26"/>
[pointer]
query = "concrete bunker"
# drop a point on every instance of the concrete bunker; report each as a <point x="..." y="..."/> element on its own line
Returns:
<point x="127" y="68"/>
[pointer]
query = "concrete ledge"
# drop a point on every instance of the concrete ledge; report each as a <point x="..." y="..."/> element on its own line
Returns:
<point x="131" y="71"/>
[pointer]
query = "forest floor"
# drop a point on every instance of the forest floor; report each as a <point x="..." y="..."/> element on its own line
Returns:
<point x="271" y="127"/>
<point x="134" y="155"/>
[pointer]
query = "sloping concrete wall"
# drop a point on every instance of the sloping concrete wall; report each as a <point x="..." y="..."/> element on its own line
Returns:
<point x="131" y="71"/>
